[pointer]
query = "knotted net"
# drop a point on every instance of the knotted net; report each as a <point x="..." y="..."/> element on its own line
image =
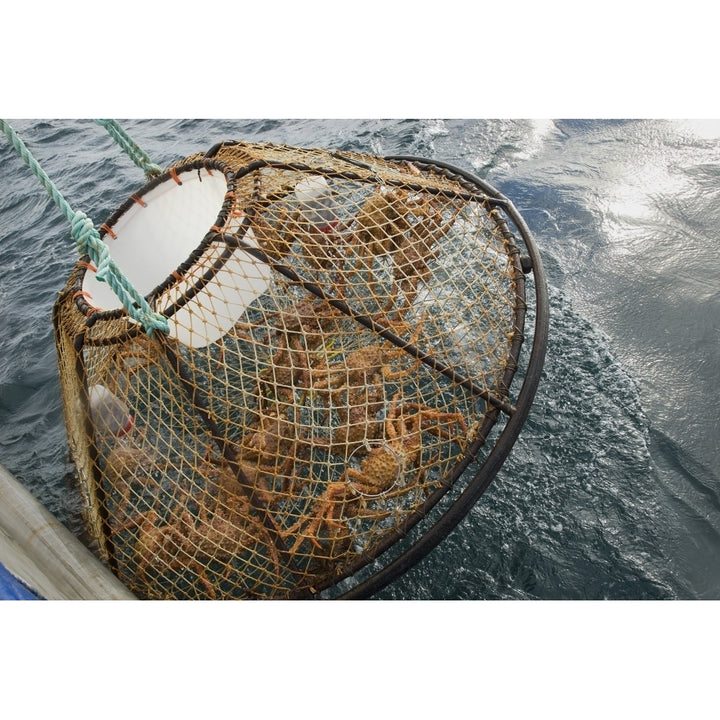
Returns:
<point x="344" y="331"/>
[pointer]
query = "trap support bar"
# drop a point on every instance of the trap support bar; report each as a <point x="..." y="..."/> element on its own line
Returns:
<point x="371" y="324"/>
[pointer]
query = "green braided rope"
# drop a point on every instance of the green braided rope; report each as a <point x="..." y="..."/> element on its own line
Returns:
<point x="138" y="156"/>
<point x="88" y="242"/>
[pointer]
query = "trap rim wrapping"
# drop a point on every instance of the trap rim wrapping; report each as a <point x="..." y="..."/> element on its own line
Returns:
<point x="363" y="169"/>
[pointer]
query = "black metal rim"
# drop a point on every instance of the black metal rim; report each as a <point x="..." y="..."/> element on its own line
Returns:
<point x="434" y="535"/>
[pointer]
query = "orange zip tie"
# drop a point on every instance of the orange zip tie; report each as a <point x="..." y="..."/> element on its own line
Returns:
<point x="177" y="275"/>
<point x="139" y="200"/>
<point x="174" y="176"/>
<point x="91" y="308"/>
<point x="109" y="231"/>
<point x="87" y="265"/>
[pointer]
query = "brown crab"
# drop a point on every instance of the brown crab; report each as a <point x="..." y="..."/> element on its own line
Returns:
<point x="300" y="330"/>
<point x="356" y="387"/>
<point x="216" y="534"/>
<point x="271" y="446"/>
<point x="394" y="461"/>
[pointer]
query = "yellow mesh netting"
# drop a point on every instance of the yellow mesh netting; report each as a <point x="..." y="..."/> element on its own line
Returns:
<point x="343" y="332"/>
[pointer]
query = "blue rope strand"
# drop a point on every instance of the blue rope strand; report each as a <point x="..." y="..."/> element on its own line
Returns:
<point x="136" y="153"/>
<point x="88" y="242"/>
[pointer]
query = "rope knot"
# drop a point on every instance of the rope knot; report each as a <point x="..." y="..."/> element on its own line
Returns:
<point x="89" y="242"/>
<point x="82" y="229"/>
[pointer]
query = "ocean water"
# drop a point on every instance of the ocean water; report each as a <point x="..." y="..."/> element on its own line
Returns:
<point x="612" y="490"/>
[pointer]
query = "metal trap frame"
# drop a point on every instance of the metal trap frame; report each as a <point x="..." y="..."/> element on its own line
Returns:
<point x="343" y="335"/>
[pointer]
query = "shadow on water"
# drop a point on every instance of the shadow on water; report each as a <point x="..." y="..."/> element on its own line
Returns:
<point x="576" y="511"/>
<point x="691" y="489"/>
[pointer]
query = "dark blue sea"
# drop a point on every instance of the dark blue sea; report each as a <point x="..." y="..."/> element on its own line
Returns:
<point x="612" y="490"/>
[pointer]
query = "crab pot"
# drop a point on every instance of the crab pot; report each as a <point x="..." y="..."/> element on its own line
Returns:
<point x="344" y="333"/>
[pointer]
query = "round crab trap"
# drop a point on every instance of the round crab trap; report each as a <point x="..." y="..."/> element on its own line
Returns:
<point x="343" y="332"/>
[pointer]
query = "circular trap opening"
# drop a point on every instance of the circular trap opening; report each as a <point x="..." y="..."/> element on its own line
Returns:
<point x="158" y="239"/>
